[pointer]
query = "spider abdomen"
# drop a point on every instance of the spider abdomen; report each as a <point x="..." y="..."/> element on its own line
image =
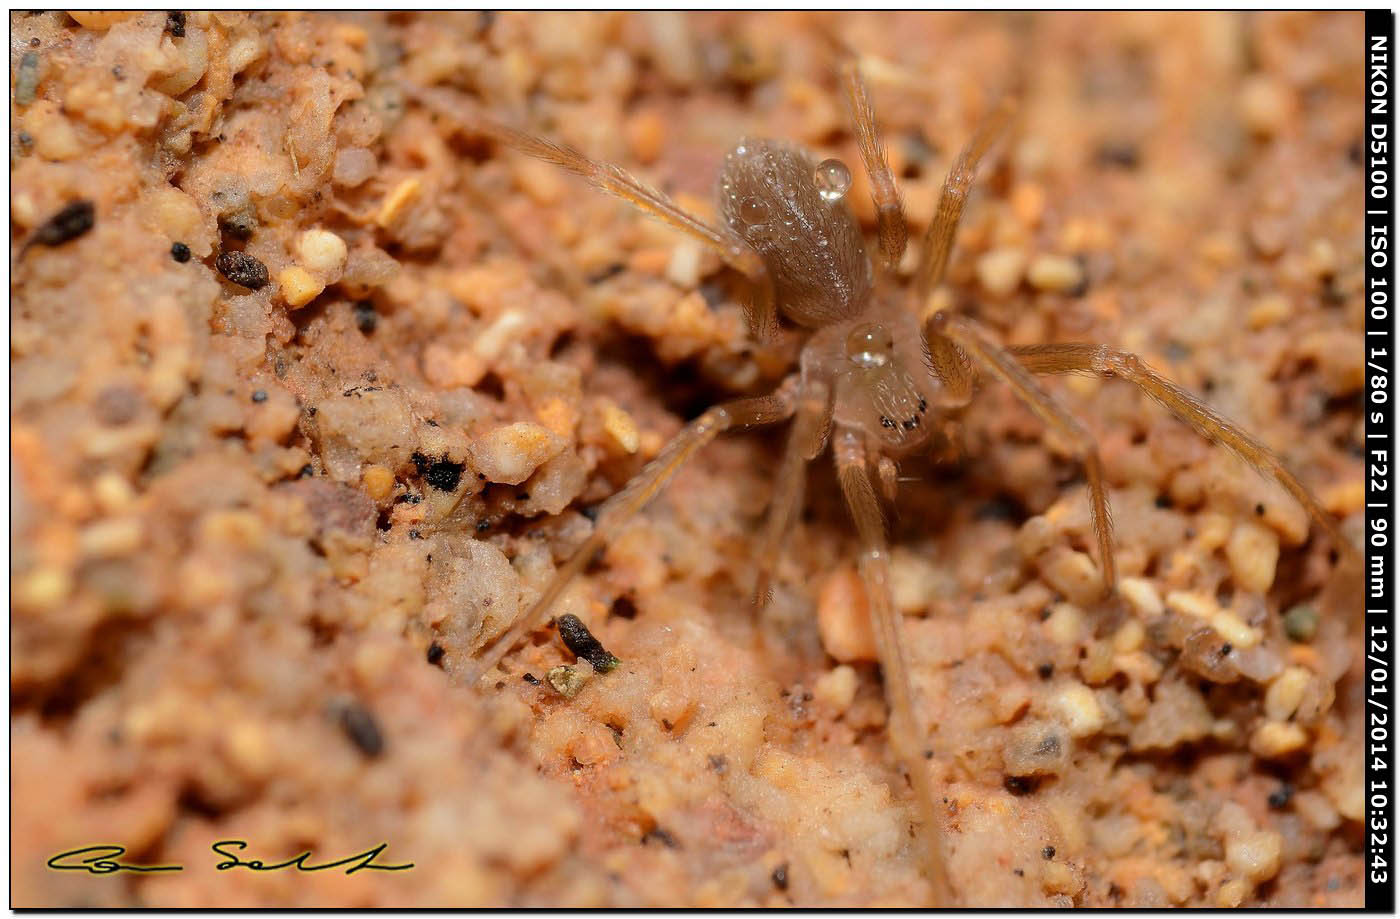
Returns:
<point x="794" y="214"/>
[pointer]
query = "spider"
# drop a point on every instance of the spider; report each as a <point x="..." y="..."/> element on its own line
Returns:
<point x="873" y="382"/>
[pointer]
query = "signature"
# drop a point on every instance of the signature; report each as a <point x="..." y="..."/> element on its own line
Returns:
<point x="365" y="859"/>
<point x="103" y="860"/>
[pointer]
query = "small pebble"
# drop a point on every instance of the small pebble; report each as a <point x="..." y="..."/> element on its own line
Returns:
<point x="366" y="319"/>
<point x="242" y="269"/>
<point x="566" y="680"/>
<point x="298" y="286"/>
<point x="1265" y="105"/>
<point x="1285" y="693"/>
<point x="1079" y="709"/>
<point x="1001" y="270"/>
<point x="322" y="252"/>
<point x="403" y="194"/>
<point x="239" y="224"/>
<point x="1300" y="622"/>
<point x="180" y="252"/>
<point x="1056" y="273"/>
<point x="175" y="23"/>
<point x="1255" y="855"/>
<point x="1268" y="310"/>
<point x="1073" y="574"/>
<point x="837" y="687"/>
<point x="620" y="427"/>
<point x="1066" y="624"/>
<point x="27" y="79"/>
<point x="510" y="453"/>
<point x="353" y="166"/>
<point x="1253" y="551"/>
<point x="1276" y="739"/>
<point x="1142" y="596"/>
<point x="843" y="617"/>
<point x="1231" y="893"/>
<point x="435" y="653"/>
<point x="379" y="482"/>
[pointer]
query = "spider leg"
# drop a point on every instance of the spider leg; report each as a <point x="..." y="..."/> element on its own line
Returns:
<point x="953" y="368"/>
<point x="938" y="242"/>
<point x="614" y="180"/>
<point x="1110" y="362"/>
<point x="805" y="441"/>
<point x="894" y="232"/>
<point x="635" y="495"/>
<point x="1003" y="365"/>
<point x="905" y="731"/>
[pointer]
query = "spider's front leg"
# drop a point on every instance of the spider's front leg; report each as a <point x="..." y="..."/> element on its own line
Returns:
<point x="889" y="209"/>
<point x="964" y="338"/>
<point x="938" y="241"/>
<point x="635" y="495"/>
<point x="1104" y="361"/>
<point x="905" y="728"/>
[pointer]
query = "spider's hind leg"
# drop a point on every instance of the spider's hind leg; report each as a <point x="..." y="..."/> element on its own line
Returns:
<point x="805" y="441"/>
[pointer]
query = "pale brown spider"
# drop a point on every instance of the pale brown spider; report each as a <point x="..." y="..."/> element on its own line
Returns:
<point x="871" y="380"/>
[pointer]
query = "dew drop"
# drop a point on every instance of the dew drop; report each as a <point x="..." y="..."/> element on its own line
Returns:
<point x="832" y="179"/>
<point x="753" y="211"/>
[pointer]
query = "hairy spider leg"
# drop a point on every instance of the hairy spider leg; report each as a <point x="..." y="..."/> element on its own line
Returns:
<point x="804" y="442"/>
<point x="905" y="731"/>
<point x="889" y="208"/>
<point x="635" y="495"/>
<point x="949" y="362"/>
<point x="938" y="241"/>
<point x="1107" y="362"/>
<point x="1001" y="364"/>
<point x="761" y="307"/>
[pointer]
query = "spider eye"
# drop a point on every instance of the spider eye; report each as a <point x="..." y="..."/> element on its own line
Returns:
<point x="869" y="346"/>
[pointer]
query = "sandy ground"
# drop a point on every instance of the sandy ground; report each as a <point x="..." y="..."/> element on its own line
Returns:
<point x="311" y="392"/>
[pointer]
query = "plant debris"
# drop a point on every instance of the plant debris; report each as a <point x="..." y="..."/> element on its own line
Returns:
<point x="68" y="224"/>
<point x="579" y="640"/>
<point x="362" y="728"/>
<point x="442" y="473"/>
<point x="242" y="269"/>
